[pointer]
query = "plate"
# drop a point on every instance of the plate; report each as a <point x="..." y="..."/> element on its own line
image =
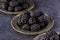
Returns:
<point x="37" y="37"/>
<point x="16" y="27"/>
<point x="31" y="6"/>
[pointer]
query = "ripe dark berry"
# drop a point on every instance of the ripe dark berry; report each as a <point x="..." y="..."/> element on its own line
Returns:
<point x="42" y="37"/>
<point x="20" y="1"/>
<point x="6" y="0"/>
<point x="13" y="3"/>
<point x="25" y="6"/>
<point x="39" y="13"/>
<point x="4" y="5"/>
<point x="18" y="8"/>
<point x="42" y="25"/>
<point x="10" y="8"/>
<point x="32" y="14"/>
<point x="42" y="18"/>
<point x="52" y="35"/>
<point x="32" y="20"/>
<point x="24" y="18"/>
<point x="35" y="27"/>
<point x="26" y="27"/>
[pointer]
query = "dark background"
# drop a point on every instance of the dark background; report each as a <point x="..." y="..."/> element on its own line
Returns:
<point x="52" y="7"/>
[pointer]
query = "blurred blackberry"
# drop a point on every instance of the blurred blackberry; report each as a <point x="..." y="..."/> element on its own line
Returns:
<point x="42" y="25"/>
<point x="13" y="3"/>
<point x="32" y="20"/>
<point x="20" y="1"/>
<point x="24" y="18"/>
<point x="26" y="27"/>
<point x="35" y="27"/>
<point x="52" y="35"/>
<point x="32" y="14"/>
<point x="42" y="37"/>
<point x="10" y="8"/>
<point x="4" y="5"/>
<point x="6" y="0"/>
<point x="42" y="18"/>
<point x="38" y="13"/>
<point x="24" y="6"/>
<point x="18" y="8"/>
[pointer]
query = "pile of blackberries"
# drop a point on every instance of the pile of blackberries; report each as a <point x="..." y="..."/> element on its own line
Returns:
<point x="52" y="35"/>
<point x="32" y="21"/>
<point x="14" y="5"/>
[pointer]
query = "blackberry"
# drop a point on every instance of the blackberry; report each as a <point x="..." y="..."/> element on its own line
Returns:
<point x="24" y="18"/>
<point x="32" y="20"/>
<point x="18" y="8"/>
<point x="42" y="37"/>
<point x="21" y="1"/>
<point x="42" y="19"/>
<point x="6" y="0"/>
<point x="25" y="5"/>
<point x="52" y="35"/>
<point x="35" y="14"/>
<point x="32" y="14"/>
<point x="39" y="12"/>
<point x="42" y="25"/>
<point x="35" y="27"/>
<point x="13" y="3"/>
<point x="26" y="27"/>
<point x="4" y="5"/>
<point x="10" y="8"/>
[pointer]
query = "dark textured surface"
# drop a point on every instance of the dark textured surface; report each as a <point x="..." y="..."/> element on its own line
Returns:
<point x="52" y="7"/>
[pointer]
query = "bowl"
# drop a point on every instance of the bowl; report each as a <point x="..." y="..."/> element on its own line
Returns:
<point x="37" y="37"/>
<point x="16" y="27"/>
<point x="31" y="6"/>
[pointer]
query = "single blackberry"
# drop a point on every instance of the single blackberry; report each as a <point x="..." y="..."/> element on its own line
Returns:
<point x="24" y="6"/>
<point x="36" y="13"/>
<point x="42" y="18"/>
<point x="35" y="27"/>
<point x="6" y="0"/>
<point x="39" y="12"/>
<point x="18" y="8"/>
<point x="32" y="20"/>
<point x="26" y="27"/>
<point x="24" y="18"/>
<point x="42" y="37"/>
<point x="13" y="3"/>
<point x="4" y="5"/>
<point x="32" y="14"/>
<point x="20" y="1"/>
<point x="42" y="25"/>
<point x="10" y="8"/>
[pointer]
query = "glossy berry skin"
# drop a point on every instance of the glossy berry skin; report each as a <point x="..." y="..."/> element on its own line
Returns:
<point x="10" y="8"/>
<point x="13" y="3"/>
<point x="35" y="27"/>
<point x="32" y="20"/>
<point x="18" y="8"/>
<point x="4" y="5"/>
<point x="26" y="27"/>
